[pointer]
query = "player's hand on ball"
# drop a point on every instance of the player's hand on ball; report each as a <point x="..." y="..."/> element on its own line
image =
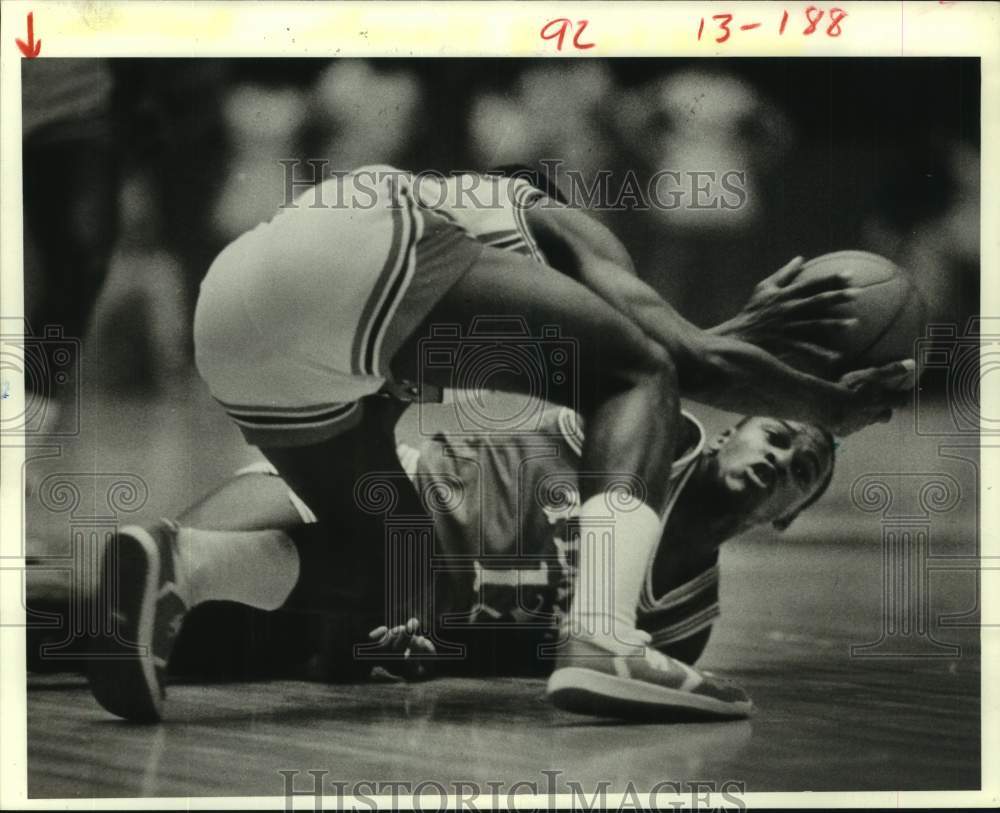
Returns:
<point x="791" y="319"/>
<point x="872" y="394"/>
<point x="406" y="652"/>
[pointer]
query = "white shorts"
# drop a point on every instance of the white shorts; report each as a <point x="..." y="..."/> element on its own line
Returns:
<point x="298" y="319"/>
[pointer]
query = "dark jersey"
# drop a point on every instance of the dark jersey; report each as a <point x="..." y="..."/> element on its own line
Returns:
<point x="503" y="563"/>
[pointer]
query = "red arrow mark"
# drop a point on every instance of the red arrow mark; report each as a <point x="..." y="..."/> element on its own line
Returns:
<point x="30" y="48"/>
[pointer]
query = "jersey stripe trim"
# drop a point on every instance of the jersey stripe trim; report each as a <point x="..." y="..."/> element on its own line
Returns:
<point x="510" y="244"/>
<point x="278" y="430"/>
<point x="293" y="411"/>
<point x="673" y="633"/>
<point x="392" y="270"/>
<point x="373" y="353"/>
<point x="492" y="237"/>
<point x="295" y="421"/>
<point x="569" y="427"/>
<point x="524" y="196"/>
<point x="708" y="580"/>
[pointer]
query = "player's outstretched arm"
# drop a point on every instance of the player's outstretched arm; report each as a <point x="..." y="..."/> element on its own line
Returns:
<point x="714" y="368"/>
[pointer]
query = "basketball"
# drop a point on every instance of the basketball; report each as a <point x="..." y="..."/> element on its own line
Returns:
<point x="890" y="311"/>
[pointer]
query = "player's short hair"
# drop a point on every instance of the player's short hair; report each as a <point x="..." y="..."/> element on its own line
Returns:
<point x="783" y="522"/>
<point x="538" y="178"/>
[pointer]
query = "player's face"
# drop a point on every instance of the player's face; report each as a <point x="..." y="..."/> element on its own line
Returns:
<point x="773" y="466"/>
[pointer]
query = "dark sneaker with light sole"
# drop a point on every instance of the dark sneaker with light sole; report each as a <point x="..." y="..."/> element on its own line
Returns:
<point x="141" y="614"/>
<point x="590" y="678"/>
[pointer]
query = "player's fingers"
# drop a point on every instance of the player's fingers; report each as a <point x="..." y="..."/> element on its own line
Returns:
<point x="823" y="305"/>
<point x="400" y="637"/>
<point x="827" y="327"/>
<point x="897" y="368"/>
<point x="859" y="380"/>
<point x="893" y="371"/>
<point x="834" y="283"/>
<point x="389" y="639"/>
<point x="897" y="375"/>
<point x="784" y="275"/>
<point x="811" y="354"/>
<point x="412" y="625"/>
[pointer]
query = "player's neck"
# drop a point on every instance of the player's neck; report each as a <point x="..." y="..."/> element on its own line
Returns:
<point x="696" y="516"/>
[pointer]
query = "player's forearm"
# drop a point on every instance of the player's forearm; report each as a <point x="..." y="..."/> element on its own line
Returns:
<point x="716" y="369"/>
<point x="640" y="303"/>
<point x="740" y="377"/>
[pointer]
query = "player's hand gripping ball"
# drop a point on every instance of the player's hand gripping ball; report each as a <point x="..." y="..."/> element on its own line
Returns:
<point x="839" y="312"/>
<point x="881" y="320"/>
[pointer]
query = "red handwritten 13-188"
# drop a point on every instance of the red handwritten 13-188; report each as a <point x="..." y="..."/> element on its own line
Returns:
<point x="817" y="20"/>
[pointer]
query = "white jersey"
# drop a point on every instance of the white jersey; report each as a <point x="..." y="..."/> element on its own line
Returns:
<point x="489" y="208"/>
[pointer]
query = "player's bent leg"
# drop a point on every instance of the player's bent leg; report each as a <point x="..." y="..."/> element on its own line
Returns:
<point x="255" y="498"/>
<point x="154" y="575"/>
<point x="324" y="474"/>
<point x="630" y="402"/>
<point x="230" y="546"/>
<point x="330" y="477"/>
<point x="624" y="380"/>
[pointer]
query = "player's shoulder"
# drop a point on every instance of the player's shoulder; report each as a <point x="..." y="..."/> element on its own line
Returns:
<point x="569" y="424"/>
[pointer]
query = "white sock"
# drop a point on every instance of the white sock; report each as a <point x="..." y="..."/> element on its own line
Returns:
<point x="257" y="568"/>
<point x="615" y="547"/>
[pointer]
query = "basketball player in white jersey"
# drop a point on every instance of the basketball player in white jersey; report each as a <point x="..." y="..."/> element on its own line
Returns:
<point x="304" y="317"/>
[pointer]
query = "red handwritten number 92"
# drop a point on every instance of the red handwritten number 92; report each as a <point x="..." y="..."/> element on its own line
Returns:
<point x="557" y="29"/>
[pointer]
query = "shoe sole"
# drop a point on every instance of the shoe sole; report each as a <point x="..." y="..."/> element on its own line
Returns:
<point x="586" y="691"/>
<point x="122" y="674"/>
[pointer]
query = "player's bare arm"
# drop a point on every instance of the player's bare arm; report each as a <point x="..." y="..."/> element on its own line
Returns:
<point x="718" y="367"/>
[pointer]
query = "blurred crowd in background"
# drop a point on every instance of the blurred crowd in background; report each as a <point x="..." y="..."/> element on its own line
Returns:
<point x="137" y="172"/>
